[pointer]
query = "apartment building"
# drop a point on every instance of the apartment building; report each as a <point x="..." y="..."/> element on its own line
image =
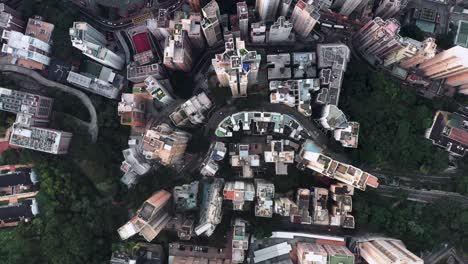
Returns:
<point x="341" y="195"/>
<point x="10" y="19"/>
<point x="17" y="182"/>
<point x="237" y="67"/>
<point x="243" y="15"/>
<point x="165" y="144"/>
<point x="150" y="219"/>
<point x="13" y="214"/>
<point x="41" y="139"/>
<point x="159" y="26"/>
<point x="386" y="250"/>
<point x="344" y="131"/>
<point x="294" y="93"/>
<point x="193" y="254"/>
<point x="186" y="196"/>
<point x="211" y="23"/>
<point x="194" y="30"/>
<point x="178" y="50"/>
<point x="216" y="154"/>
<point x="258" y="32"/>
<point x="160" y="90"/>
<point x="300" y="214"/>
<point x="388" y="8"/>
<point x="193" y="111"/>
<point x="280" y="152"/>
<point x="281" y="31"/>
<point x="304" y="65"/>
<point x="31" y="49"/>
<point x="304" y="18"/>
<point x="211" y="212"/>
<point x="97" y="79"/>
<point x="246" y="157"/>
<point x="138" y="74"/>
<point x="284" y="8"/>
<point x="240" y="241"/>
<point x="195" y="5"/>
<point x="426" y="51"/>
<point x="134" y="165"/>
<point x="38" y="107"/>
<point x="267" y="9"/>
<point x="378" y="38"/>
<point x="239" y="193"/>
<point x="279" y="66"/>
<point x="265" y="192"/>
<point x="346" y="7"/>
<point x="92" y="43"/>
<point x="132" y="109"/>
<point x="450" y="132"/>
<point x="283" y="206"/>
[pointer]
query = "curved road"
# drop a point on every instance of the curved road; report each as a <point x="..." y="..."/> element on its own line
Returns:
<point x="92" y="125"/>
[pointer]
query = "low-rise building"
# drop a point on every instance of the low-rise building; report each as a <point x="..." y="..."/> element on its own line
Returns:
<point x="294" y="93"/>
<point x="165" y="144"/>
<point x="97" y="79"/>
<point x="281" y="153"/>
<point x="449" y="131"/>
<point x="258" y="32"/>
<point x="265" y="194"/>
<point x="13" y="214"/>
<point x="37" y="107"/>
<point x="279" y="66"/>
<point x="240" y="241"/>
<point x="41" y="139"/>
<point x="216" y="154"/>
<point x="239" y="193"/>
<point x="193" y="111"/>
<point x="186" y="196"/>
<point x="211" y="210"/>
<point x="386" y="250"/>
<point x="150" y="219"/>
<point x="17" y="182"/>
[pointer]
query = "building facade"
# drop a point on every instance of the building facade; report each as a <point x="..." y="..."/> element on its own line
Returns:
<point x="304" y="18"/>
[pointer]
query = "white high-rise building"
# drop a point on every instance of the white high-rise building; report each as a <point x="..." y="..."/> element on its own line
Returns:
<point x="93" y="44"/>
<point x="281" y="31"/>
<point x="267" y="9"/>
<point x="211" y="23"/>
<point x="243" y="15"/>
<point x="346" y="7"/>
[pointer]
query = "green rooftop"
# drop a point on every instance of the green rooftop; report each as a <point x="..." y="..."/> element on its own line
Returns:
<point x="341" y="259"/>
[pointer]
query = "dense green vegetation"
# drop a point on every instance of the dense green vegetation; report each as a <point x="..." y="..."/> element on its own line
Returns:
<point x="421" y="227"/>
<point x="412" y="31"/>
<point x="393" y="122"/>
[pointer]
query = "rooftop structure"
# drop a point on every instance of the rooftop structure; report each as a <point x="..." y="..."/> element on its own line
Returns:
<point x="185" y="196"/>
<point x="150" y="218"/>
<point x="98" y="79"/>
<point x="26" y="50"/>
<point x="388" y="8"/>
<point x="341" y="194"/>
<point x="161" y="90"/>
<point x="93" y="44"/>
<point x="426" y="50"/>
<point x="138" y="74"/>
<point x="239" y="192"/>
<point x="193" y="111"/>
<point x="38" y="107"/>
<point x="211" y="210"/>
<point x="237" y="67"/>
<point x="294" y="93"/>
<point x="258" y="32"/>
<point x="308" y="253"/>
<point x="283" y="206"/>
<point x="10" y="19"/>
<point x="193" y="254"/>
<point x="304" y="18"/>
<point x="348" y="136"/>
<point x="304" y="64"/>
<point x="300" y="214"/>
<point x="17" y="181"/>
<point x="334" y="169"/>
<point x="134" y="165"/>
<point x="240" y="241"/>
<point x="267" y="9"/>
<point x="40" y="139"/>
<point x="449" y="131"/>
<point x="279" y="66"/>
<point x="265" y="194"/>
<point x="178" y="51"/>
<point x="333" y="119"/>
<point x="216" y="154"/>
<point x="241" y="156"/>
<point x="165" y="144"/>
<point x="159" y="26"/>
<point x="243" y="15"/>
<point x="281" y="31"/>
<point x="332" y="62"/>
<point x="383" y="250"/>
<point x="280" y="153"/>
<point x="263" y="123"/>
<point x="338" y="254"/>
<point x="211" y="23"/>
<point x="378" y="38"/>
<point x="140" y="253"/>
<point x="271" y="252"/>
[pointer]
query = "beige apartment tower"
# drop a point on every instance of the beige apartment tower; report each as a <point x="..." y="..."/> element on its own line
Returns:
<point x="424" y="53"/>
<point x="267" y="9"/>
<point x="386" y="251"/>
<point x="304" y="18"/>
<point x="449" y="63"/>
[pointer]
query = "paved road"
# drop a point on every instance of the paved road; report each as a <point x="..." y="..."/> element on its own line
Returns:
<point x="422" y="196"/>
<point x="92" y="125"/>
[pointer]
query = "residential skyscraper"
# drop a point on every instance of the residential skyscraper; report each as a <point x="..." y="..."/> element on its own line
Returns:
<point x="194" y="31"/>
<point x="346" y="7"/>
<point x="267" y="9"/>
<point x="304" y="18"/>
<point x="93" y="44"/>
<point x="258" y="32"/>
<point x="388" y="8"/>
<point x="386" y="250"/>
<point x="281" y="31"/>
<point x="165" y="144"/>
<point x="195" y="5"/>
<point x="159" y="26"/>
<point x="450" y="64"/>
<point x="138" y="74"/>
<point x="378" y="38"/>
<point x="151" y="218"/>
<point x="193" y="111"/>
<point x="426" y="51"/>
<point x="284" y="7"/>
<point x="243" y="15"/>
<point x="178" y="50"/>
<point x="449" y="131"/>
<point x="211" y="23"/>
<point x="237" y="67"/>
